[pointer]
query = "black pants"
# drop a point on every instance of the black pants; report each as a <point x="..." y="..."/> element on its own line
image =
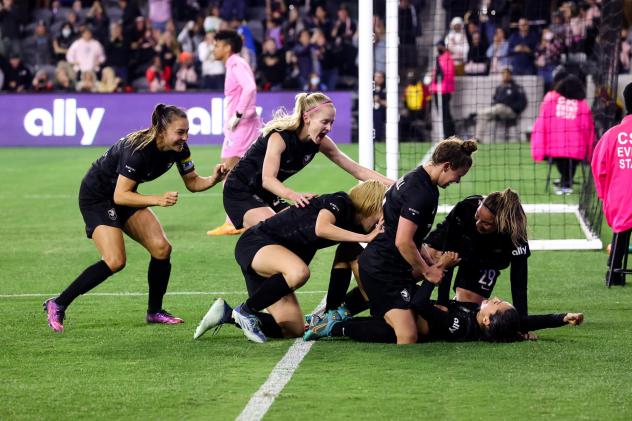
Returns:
<point x="448" y="123"/>
<point x="618" y="258"/>
<point x="567" y="168"/>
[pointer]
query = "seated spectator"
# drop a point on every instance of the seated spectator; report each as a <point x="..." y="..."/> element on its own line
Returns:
<point x="522" y="45"/>
<point x="109" y="82"/>
<point x="86" y="53"/>
<point x="41" y="82"/>
<point x="87" y="81"/>
<point x="17" y="77"/>
<point x="476" y="56"/>
<point x="117" y="52"/>
<point x="508" y="102"/>
<point x="457" y="45"/>
<point x="64" y="78"/>
<point x="38" y="48"/>
<point x="271" y="67"/>
<point x="548" y="55"/>
<point x="213" y="70"/>
<point x="63" y="41"/>
<point x="158" y="76"/>
<point x="186" y="76"/>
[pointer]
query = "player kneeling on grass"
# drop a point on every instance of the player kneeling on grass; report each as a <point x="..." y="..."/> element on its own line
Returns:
<point x="274" y="257"/>
<point x="111" y="206"/>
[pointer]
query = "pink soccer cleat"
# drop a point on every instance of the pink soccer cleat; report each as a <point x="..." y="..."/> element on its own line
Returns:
<point x="163" y="317"/>
<point x="56" y="314"/>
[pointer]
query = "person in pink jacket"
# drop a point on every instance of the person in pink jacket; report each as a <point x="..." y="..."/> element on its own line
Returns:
<point x="443" y="85"/>
<point x="564" y="130"/>
<point x="241" y="122"/>
<point x="612" y="173"/>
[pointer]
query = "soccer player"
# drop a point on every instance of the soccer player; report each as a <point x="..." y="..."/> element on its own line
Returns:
<point x="274" y="257"/>
<point x="394" y="262"/>
<point x="254" y="189"/>
<point x="110" y="206"/>
<point x="241" y="122"/>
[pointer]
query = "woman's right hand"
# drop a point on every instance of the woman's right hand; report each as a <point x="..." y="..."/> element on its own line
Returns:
<point x="434" y="274"/>
<point x="301" y="199"/>
<point x="170" y="198"/>
<point x="379" y="227"/>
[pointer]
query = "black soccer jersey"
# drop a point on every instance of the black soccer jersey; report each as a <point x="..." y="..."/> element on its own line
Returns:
<point x="139" y="165"/>
<point x="483" y="256"/>
<point x="294" y="158"/>
<point x="415" y="198"/>
<point x="295" y="228"/>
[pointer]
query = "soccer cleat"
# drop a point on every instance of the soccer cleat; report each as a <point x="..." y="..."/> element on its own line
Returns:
<point x="225" y="229"/>
<point x="250" y="324"/>
<point x="322" y="328"/>
<point x="56" y="314"/>
<point x="215" y="317"/>
<point x="344" y="312"/>
<point x="163" y="317"/>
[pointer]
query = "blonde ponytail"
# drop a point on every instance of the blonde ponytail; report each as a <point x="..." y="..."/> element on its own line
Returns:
<point x="303" y="103"/>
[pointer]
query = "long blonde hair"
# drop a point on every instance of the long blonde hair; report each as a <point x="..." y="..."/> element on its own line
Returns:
<point x="509" y="214"/>
<point x="367" y="197"/>
<point x="303" y="103"/>
<point x="160" y="119"/>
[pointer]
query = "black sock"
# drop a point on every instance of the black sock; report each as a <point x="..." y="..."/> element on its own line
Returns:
<point x="158" y="278"/>
<point x="269" y="326"/>
<point x="365" y="329"/>
<point x="355" y="301"/>
<point x="272" y="290"/>
<point x="89" y="278"/>
<point x="339" y="280"/>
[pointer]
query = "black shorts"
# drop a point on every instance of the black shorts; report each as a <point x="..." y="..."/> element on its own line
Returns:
<point x="239" y="199"/>
<point x="247" y="247"/>
<point x="385" y="290"/>
<point x="102" y="212"/>
<point x="479" y="281"/>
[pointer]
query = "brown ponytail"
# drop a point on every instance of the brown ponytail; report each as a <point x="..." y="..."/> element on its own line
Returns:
<point x="455" y="151"/>
<point x="160" y="119"/>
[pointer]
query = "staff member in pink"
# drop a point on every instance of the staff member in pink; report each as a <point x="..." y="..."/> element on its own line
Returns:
<point x="241" y="122"/>
<point x="612" y="172"/>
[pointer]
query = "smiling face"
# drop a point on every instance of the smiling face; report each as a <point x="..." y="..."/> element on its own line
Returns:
<point x="449" y="175"/>
<point x="485" y="220"/>
<point x="175" y="135"/>
<point x="319" y="122"/>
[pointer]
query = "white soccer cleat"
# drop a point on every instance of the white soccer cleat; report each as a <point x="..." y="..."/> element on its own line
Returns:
<point x="217" y="315"/>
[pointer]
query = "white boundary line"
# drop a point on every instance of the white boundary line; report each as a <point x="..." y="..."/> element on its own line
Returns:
<point x="143" y="294"/>
<point x="263" y="398"/>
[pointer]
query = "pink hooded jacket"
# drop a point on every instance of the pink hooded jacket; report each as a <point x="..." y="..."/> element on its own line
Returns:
<point x="447" y="84"/>
<point x="612" y="172"/>
<point x="564" y="129"/>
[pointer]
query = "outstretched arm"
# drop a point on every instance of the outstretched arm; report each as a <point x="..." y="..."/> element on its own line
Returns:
<point x="125" y="195"/>
<point x="195" y="183"/>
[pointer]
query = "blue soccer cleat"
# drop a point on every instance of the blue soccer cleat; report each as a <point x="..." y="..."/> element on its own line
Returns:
<point x="250" y="324"/>
<point x="321" y="328"/>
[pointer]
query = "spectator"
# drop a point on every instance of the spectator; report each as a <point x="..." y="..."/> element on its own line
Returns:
<point x="17" y="76"/>
<point x="408" y="28"/>
<point x="159" y="13"/>
<point x="564" y="130"/>
<point x="233" y="9"/>
<point x="625" y="53"/>
<point x="292" y="27"/>
<point x="522" y="45"/>
<point x="86" y="53"/>
<point x="490" y="15"/>
<point x="189" y="38"/>
<point x="38" y="48"/>
<point x="64" y="77"/>
<point x="476" y="56"/>
<point x="109" y="81"/>
<point x="167" y="47"/>
<point x="548" y="55"/>
<point x="414" y="111"/>
<point x="508" y="102"/>
<point x="314" y="84"/>
<point x="379" y="44"/>
<point x="9" y="21"/>
<point x="249" y="49"/>
<point x="442" y="87"/>
<point x="379" y="106"/>
<point x="327" y="57"/>
<point x="87" y="82"/>
<point x="343" y="33"/>
<point x="457" y="45"/>
<point x="212" y="69"/>
<point x="560" y="28"/>
<point x="158" y="76"/>
<point x="274" y="31"/>
<point x="320" y="19"/>
<point x="304" y="55"/>
<point x="292" y="74"/>
<point x="213" y="22"/>
<point x="271" y="67"/>
<point x="186" y="76"/>
<point x="117" y="52"/>
<point x="61" y="43"/>
<point x="42" y="82"/>
<point x="77" y="9"/>
<point x="454" y="9"/>
<point x="99" y="22"/>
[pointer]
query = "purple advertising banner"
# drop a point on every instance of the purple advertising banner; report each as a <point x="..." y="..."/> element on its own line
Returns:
<point x="101" y="119"/>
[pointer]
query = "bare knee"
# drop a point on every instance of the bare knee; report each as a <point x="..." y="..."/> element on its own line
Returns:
<point x="115" y="262"/>
<point x="160" y="249"/>
<point x="292" y="329"/>
<point x="297" y="277"/>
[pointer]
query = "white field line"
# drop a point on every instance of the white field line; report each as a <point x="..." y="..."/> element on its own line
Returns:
<point x="143" y="294"/>
<point x="263" y="398"/>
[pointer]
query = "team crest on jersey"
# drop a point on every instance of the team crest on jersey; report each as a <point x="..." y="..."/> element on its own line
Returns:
<point x="112" y="214"/>
<point x="307" y="158"/>
<point x="405" y="295"/>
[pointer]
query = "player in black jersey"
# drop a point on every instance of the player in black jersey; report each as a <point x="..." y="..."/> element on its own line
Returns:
<point x="394" y="262"/>
<point x="254" y="189"/>
<point x="110" y="206"/>
<point x="275" y="254"/>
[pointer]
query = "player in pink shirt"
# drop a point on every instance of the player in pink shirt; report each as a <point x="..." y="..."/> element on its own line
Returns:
<point x="612" y="172"/>
<point x="241" y="122"/>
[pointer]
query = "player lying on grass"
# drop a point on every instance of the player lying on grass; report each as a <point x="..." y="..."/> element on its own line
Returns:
<point x="274" y="257"/>
<point x="110" y="206"/>
<point x="254" y="190"/>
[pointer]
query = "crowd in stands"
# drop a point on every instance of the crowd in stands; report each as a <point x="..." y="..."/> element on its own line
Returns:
<point x="165" y="45"/>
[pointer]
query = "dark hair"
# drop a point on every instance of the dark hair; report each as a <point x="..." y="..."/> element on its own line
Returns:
<point x="504" y="326"/>
<point x="508" y="214"/>
<point x="160" y="119"/>
<point x="571" y="87"/>
<point x="627" y="98"/>
<point x="231" y="38"/>
<point x="455" y="151"/>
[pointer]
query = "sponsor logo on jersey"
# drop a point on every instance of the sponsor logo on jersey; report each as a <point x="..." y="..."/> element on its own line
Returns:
<point x="405" y="295"/>
<point x="519" y="251"/>
<point x="413" y="211"/>
<point x="334" y="207"/>
<point x="130" y="169"/>
<point x="112" y="214"/>
<point x="455" y="325"/>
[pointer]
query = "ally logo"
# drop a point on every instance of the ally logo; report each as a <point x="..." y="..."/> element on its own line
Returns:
<point x="63" y="120"/>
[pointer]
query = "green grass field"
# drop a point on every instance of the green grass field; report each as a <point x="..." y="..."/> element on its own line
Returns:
<point x="110" y="365"/>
